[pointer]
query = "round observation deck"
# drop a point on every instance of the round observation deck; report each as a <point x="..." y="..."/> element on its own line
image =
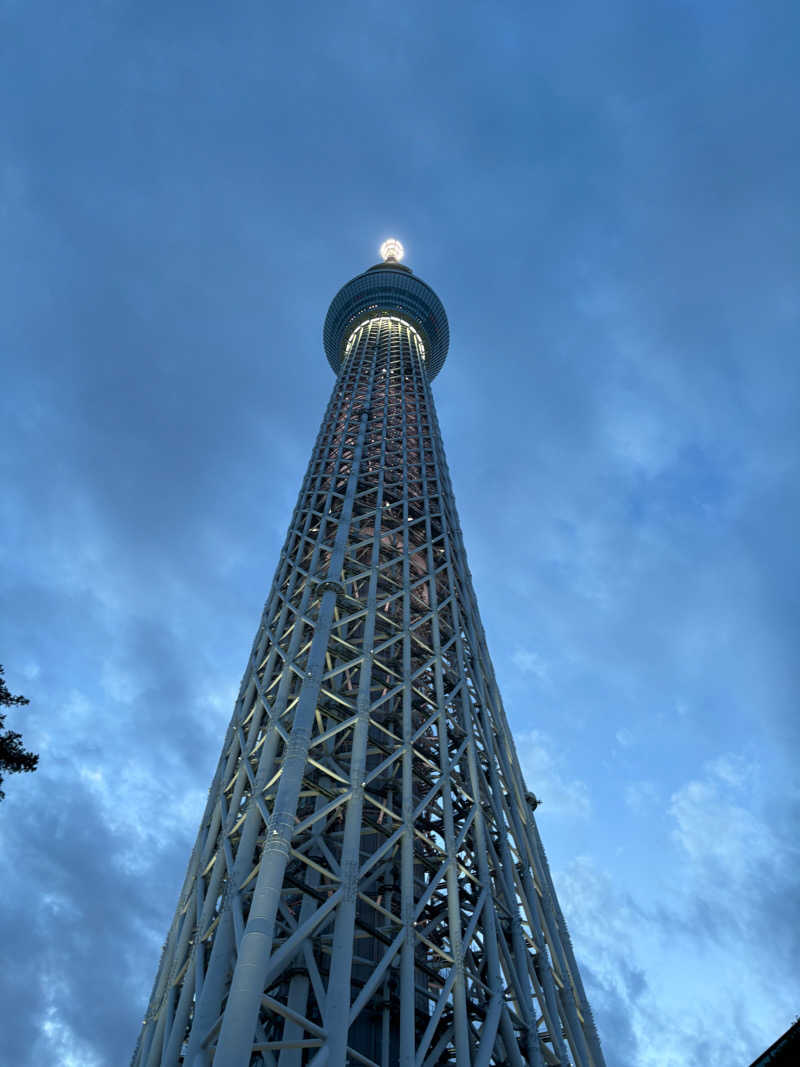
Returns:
<point x="388" y="288"/>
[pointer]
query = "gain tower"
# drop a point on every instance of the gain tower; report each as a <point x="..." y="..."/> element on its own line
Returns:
<point x="368" y="885"/>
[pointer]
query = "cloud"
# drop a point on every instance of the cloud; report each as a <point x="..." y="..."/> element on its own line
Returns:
<point x="741" y="863"/>
<point x="62" y="1043"/>
<point x="529" y="662"/>
<point x="542" y="768"/>
<point x="604" y="921"/>
<point x="101" y="834"/>
<point x="719" y="835"/>
<point x="641" y="796"/>
<point x="732" y="770"/>
<point x="87" y="935"/>
<point x="625" y="737"/>
<point x="727" y="907"/>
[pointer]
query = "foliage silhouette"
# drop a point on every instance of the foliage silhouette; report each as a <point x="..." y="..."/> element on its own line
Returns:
<point x="13" y="757"/>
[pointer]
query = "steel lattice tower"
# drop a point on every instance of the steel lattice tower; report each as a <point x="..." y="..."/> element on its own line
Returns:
<point x="368" y="885"/>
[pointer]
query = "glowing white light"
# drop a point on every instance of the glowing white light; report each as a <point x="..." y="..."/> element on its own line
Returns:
<point x="392" y="249"/>
<point x="398" y="328"/>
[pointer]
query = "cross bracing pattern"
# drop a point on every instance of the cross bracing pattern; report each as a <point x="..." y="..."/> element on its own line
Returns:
<point x="368" y="885"/>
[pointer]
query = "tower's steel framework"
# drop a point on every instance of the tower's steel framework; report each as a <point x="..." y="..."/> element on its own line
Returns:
<point x="368" y="885"/>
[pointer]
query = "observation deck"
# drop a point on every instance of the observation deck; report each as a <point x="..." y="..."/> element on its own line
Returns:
<point x="393" y="289"/>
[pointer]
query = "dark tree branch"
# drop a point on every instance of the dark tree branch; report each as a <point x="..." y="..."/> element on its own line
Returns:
<point x="13" y="757"/>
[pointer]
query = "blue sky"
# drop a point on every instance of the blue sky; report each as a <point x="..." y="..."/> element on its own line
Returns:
<point x="605" y="199"/>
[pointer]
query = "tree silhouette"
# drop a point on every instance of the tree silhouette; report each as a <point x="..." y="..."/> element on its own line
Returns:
<point x="13" y="757"/>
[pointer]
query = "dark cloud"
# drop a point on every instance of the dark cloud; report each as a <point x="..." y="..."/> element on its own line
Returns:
<point x="611" y="1010"/>
<point x="80" y="932"/>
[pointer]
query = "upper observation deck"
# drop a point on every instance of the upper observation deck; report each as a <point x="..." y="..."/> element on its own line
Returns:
<point x="393" y="289"/>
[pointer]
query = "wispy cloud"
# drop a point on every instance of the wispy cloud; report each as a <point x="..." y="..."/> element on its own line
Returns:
<point x="543" y="767"/>
<point x="529" y="662"/>
<point x="731" y="883"/>
<point x="641" y="796"/>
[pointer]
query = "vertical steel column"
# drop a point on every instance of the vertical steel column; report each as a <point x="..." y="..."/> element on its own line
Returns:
<point x="247" y="986"/>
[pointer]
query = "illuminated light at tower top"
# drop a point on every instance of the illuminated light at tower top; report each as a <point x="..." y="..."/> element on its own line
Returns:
<point x="392" y="250"/>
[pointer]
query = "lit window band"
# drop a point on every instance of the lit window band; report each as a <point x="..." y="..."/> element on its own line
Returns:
<point x="393" y="322"/>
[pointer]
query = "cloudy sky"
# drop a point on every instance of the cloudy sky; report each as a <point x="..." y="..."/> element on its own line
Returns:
<point x="605" y="198"/>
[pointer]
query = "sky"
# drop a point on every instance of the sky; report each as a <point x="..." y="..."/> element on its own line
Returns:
<point x="604" y="196"/>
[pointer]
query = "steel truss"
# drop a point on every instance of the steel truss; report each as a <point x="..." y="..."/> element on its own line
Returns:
<point x="368" y="885"/>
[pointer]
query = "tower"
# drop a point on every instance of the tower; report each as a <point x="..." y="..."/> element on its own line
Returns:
<point x="368" y="885"/>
